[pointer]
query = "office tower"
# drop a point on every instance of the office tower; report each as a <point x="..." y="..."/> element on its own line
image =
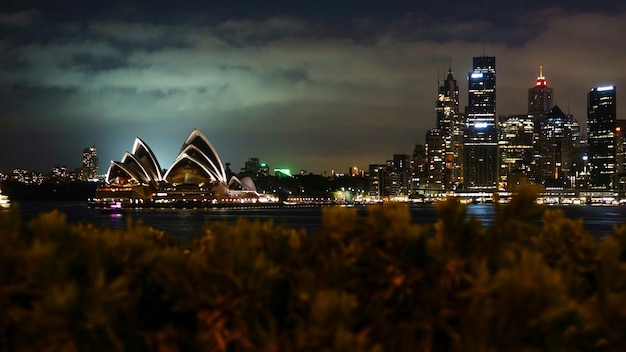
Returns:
<point x="516" y="148"/>
<point x="539" y="103"/>
<point x="418" y="168"/>
<point x="620" y="153"/>
<point x="435" y="155"/>
<point x="90" y="164"/>
<point x="386" y="181"/>
<point x="376" y="178"/>
<point x="480" y="161"/>
<point x="601" y="116"/>
<point x="401" y="166"/>
<point x="559" y="138"/>
<point x="539" y="97"/>
<point x="450" y="126"/>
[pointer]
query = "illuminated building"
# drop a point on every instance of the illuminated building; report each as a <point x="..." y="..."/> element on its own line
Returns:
<point x="620" y="167"/>
<point x="60" y="173"/>
<point x="435" y="150"/>
<point x="282" y="172"/>
<point x="539" y="103"/>
<point x="559" y="138"/>
<point x="601" y="116"/>
<point x="395" y="177"/>
<point x="376" y="178"/>
<point x="418" y="167"/>
<point x="450" y="127"/>
<point x="90" y="164"/>
<point x="389" y="181"/>
<point x="197" y="176"/>
<point x="480" y="161"/>
<point x="402" y="166"/>
<point x="516" y="148"/>
<point x="539" y="97"/>
<point x="139" y="167"/>
<point x="196" y="163"/>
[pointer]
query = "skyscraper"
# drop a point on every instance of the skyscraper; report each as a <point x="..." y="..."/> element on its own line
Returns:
<point x="559" y="137"/>
<point x="90" y="163"/>
<point x="435" y="154"/>
<point x="539" y="104"/>
<point x="516" y="147"/>
<point x="620" y="152"/>
<point x="480" y="160"/>
<point x="539" y="97"/>
<point x="418" y="170"/>
<point x="450" y="126"/>
<point x="601" y="116"/>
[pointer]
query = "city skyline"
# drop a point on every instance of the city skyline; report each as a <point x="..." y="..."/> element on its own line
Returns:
<point x="322" y="88"/>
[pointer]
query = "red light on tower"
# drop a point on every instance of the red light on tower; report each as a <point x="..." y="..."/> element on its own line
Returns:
<point x="541" y="80"/>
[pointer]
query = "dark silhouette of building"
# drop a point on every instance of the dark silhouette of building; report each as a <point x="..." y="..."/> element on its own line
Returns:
<point x="559" y="138"/>
<point x="480" y="161"/>
<point x="601" y="116"/>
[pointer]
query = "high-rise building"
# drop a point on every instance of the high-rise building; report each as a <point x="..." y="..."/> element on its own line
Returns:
<point x="418" y="168"/>
<point x="402" y="166"/>
<point x="601" y="116"/>
<point x="539" y="104"/>
<point x="390" y="180"/>
<point x="516" y="148"/>
<point x="480" y="161"/>
<point x="620" y="153"/>
<point x="450" y="126"/>
<point x="376" y="179"/>
<point x="90" y="164"/>
<point x="559" y="138"/>
<point x="539" y="97"/>
<point x="435" y="151"/>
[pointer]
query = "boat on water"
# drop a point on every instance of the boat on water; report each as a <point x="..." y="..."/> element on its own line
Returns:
<point x="114" y="208"/>
<point x="4" y="201"/>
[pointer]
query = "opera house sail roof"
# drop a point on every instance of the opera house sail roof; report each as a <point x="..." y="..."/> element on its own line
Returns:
<point x="139" y="166"/>
<point x="197" y="164"/>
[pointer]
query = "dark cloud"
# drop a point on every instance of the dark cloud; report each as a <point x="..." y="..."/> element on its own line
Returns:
<point x="294" y="87"/>
<point x="18" y="19"/>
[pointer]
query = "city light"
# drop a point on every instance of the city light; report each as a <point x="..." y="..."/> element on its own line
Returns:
<point x="480" y="125"/>
<point x="286" y="172"/>
<point x="605" y="88"/>
<point x="477" y="75"/>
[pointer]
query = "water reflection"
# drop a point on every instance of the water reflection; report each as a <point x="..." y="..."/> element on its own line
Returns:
<point x="187" y="223"/>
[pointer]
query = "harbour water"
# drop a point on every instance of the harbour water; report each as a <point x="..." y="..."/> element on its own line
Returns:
<point x="187" y="223"/>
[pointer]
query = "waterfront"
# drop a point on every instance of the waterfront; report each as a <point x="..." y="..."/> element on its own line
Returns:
<point x="187" y="223"/>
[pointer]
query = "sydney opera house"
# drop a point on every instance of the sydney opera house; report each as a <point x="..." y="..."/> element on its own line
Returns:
<point x="197" y="177"/>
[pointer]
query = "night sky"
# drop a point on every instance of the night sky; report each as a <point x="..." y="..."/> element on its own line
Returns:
<point x="315" y="85"/>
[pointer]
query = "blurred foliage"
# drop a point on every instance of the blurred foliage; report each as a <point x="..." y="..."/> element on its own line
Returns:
<point x="532" y="281"/>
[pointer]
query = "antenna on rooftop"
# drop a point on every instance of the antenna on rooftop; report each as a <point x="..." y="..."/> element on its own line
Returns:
<point x="438" y="81"/>
<point x="568" y="106"/>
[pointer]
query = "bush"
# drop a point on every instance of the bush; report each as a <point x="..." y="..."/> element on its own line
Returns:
<point x="533" y="281"/>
